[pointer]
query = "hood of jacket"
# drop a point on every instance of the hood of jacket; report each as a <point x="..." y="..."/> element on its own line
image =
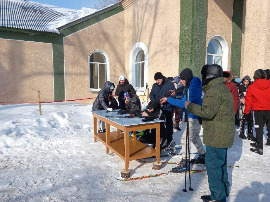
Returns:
<point x="107" y="86"/>
<point x="262" y="83"/>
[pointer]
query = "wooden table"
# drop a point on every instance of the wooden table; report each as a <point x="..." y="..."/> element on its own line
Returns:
<point x="126" y="147"/>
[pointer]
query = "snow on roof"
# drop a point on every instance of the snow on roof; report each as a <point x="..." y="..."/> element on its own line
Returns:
<point x="30" y="15"/>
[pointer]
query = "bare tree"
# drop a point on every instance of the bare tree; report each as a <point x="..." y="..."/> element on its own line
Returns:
<point x="105" y="3"/>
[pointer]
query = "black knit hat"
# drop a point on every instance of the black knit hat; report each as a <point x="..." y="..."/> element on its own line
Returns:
<point x="267" y="71"/>
<point x="259" y="74"/>
<point x="158" y="75"/>
<point x="186" y="75"/>
<point x="226" y="74"/>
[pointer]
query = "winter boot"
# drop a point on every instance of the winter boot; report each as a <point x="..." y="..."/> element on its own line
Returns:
<point x="182" y="167"/>
<point x="207" y="198"/>
<point x="268" y="142"/>
<point x="199" y="160"/>
<point x="251" y="137"/>
<point x="242" y="136"/>
<point x="257" y="151"/>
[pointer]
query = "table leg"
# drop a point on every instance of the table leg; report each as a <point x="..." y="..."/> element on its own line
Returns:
<point x="158" y="142"/>
<point x="126" y="140"/>
<point x="108" y="139"/>
<point x="95" y="129"/>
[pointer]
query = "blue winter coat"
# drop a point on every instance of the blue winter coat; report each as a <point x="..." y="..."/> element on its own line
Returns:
<point x="195" y="96"/>
<point x="159" y="92"/>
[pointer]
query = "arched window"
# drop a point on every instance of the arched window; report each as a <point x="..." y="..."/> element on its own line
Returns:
<point x="139" y="69"/>
<point x="217" y="52"/>
<point x="98" y="69"/>
<point x="139" y="66"/>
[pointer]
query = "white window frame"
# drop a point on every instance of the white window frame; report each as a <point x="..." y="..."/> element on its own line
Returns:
<point x="107" y="67"/>
<point x="225" y="51"/>
<point x="132" y="74"/>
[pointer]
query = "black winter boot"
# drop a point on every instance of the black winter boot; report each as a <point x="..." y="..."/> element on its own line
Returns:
<point x="257" y="151"/>
<point x="251" y="137"/>
<point x="242" y="136"/>
<point x="268" y="142"/>
<point x="199" y="160"/>
<point x="207" y="198"/>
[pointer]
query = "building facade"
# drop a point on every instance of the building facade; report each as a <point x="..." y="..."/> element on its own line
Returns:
<point x="135" y="38"/>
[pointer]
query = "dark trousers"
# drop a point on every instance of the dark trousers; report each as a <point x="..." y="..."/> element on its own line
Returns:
<point x="168" y="117"/>
<point x="268" y="128"/>
<point x="216" y="166"/>
<point x="260" y="120"/>
<point x="249" y="120"/>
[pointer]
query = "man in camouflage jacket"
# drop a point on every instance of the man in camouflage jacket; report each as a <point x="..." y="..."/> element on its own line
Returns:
<point x="217" y="113"/>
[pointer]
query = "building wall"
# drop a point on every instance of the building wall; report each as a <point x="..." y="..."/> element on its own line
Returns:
<point x="25" y="68"/>
<point x="219" y="22"/>
<point x="256" y="33"/>
<point x="108" y="36"/>
<point x="156" y="23"/>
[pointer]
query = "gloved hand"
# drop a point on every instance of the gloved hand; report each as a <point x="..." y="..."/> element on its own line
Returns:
<point x="109" y="109"/>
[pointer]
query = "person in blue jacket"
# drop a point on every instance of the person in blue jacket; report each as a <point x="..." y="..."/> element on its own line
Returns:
<point x="194" y="85"/>
<point x="161" y="89"/>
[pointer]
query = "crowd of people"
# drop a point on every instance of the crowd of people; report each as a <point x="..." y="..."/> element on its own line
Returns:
<point x="217" y="103"/>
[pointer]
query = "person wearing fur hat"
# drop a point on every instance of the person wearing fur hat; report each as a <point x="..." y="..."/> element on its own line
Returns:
<point x="194" y="85"/>
<point x="258" y="99"/>
<point x="159" y="90"/>
<point x="228" y="77"/>
<point x="242" y="88"/>
<point x="123" y="87"/>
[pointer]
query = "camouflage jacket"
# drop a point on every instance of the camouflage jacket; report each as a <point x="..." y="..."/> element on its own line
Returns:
<point x="217" y="113"/>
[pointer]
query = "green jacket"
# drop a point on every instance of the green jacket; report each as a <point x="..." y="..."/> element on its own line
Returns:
<point x="217" y="113"/>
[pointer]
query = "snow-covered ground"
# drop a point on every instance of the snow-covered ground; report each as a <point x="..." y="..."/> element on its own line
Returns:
<point x="52" y="157"/>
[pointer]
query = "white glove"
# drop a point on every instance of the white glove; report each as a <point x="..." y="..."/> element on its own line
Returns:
<point x="109" y="109"/>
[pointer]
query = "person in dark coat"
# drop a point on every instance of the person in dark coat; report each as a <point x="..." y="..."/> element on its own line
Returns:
<point x="123" y="87"/>
<point x="102" y="101"/>
<point x="258" y="99"/>
<point x="242" y="88"/>
<point x="267" y="71"/>
<point x="217" y="113"/>
<point x="159" y="90"/>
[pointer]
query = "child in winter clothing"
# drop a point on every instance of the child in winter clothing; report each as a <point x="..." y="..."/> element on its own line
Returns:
<point x="242" y="88"/>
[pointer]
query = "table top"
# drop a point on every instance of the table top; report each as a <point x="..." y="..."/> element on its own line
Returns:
<point x="122" y="120"/>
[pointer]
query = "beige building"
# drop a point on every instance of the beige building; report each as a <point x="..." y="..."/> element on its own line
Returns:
<point x="135" y="38"/>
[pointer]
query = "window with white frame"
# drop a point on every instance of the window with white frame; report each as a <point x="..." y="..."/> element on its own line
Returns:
<point x="214" y="52"/>
<point x="98" y="70"/>
<point x="139" y="69"/>
<point x="217" y="52"/>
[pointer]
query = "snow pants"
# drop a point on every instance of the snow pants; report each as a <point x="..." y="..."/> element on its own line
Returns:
<point x="194" y="131"/>
<point x="261" y="118"/>
<point x="216" y="166"/>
